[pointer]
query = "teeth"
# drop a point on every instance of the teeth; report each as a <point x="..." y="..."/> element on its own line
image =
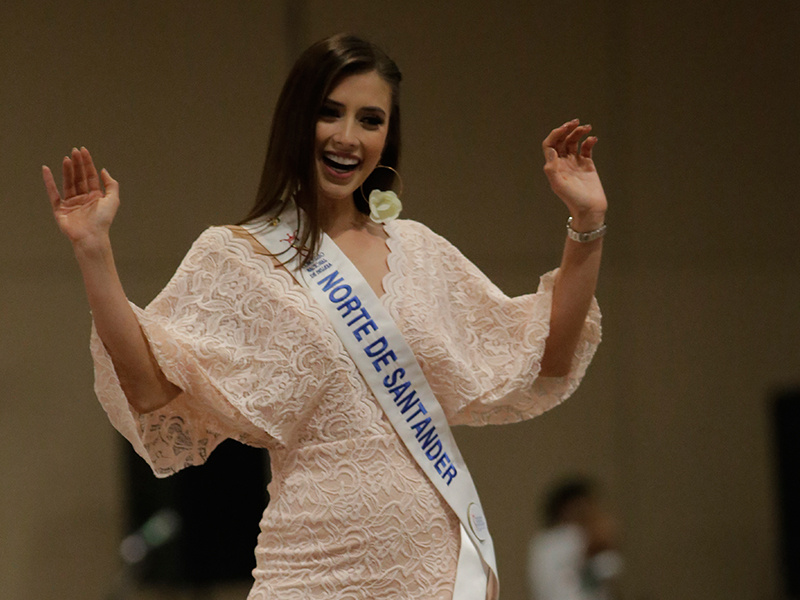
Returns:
<point x="342" y="160"/>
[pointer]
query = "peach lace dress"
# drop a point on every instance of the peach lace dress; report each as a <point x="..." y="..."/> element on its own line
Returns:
<point x="351" y="515"/>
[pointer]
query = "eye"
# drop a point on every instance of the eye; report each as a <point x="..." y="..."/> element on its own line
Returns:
<point x="328" y="112"/>
<point x="373" y="121"/>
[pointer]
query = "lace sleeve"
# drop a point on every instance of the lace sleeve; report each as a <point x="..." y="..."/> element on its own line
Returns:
<point x="482" y="350"/>
<point x="200" y="334"/>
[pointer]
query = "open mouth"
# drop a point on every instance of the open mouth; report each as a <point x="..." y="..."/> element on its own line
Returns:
<point x="340" y="164"/>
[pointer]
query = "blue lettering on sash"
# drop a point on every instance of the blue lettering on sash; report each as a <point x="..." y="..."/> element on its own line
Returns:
<point x="434" y="450"/>
<point x="318" y="268"/>
<point x="391" y="380"/>
<point x="364" y="329"/>
<point x="362" y="314"/>
<point x="450" y="473"/>
<point x="336" y="295"/>
<point x="384" y="360"/>
<point x="420" y="410"/>
<point x="328" y="282"/>
<point x="376" y="347"/>
<point x="400" y="390"/>
<point x="349" y="305"/>
<point x="420" y="427"/>
<point x="427" y="438"/>
<point x="444" y="460"/>
<point x="362" y="326"/>
<point x="406" y="402"/>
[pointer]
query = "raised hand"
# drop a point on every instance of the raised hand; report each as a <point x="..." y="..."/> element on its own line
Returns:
<point x="84" y="213"/>
<point x="573" y="177"/>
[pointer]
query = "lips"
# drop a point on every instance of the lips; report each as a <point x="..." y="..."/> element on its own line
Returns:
<point x="340" y="163"/>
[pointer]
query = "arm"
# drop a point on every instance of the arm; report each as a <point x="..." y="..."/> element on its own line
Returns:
<point x="570" y="169"/>
<point x="84" y="214"/>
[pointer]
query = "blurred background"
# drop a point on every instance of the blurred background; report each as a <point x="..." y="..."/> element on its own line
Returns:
<point x="695" y="105"/>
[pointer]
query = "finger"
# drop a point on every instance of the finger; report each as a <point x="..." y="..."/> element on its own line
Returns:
<point x="111" y="184"/>
<point x="92" y="181"/>
<point x="586" y="147"/>
<point x="51" y="187"/>
<point x="555" y="138"/>
<point x="573" y="139"/>
<point x="81" y="186"/>
<point x="567" y="129"/>
<point x="68" y="175"/>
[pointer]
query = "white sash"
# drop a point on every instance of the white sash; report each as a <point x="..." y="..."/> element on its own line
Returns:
<point x="389" y="367"/>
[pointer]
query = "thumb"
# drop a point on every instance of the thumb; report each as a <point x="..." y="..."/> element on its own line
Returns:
<point x="111" y="184"/>
<point x="550" y="154"/>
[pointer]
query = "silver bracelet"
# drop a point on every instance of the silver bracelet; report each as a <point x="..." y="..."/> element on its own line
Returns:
<point x="588" y="236"/>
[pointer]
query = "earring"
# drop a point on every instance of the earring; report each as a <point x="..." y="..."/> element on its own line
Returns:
<point x="384" y="206"/>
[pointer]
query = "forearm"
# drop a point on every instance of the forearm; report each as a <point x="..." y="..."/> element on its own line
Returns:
<point x="142" y="380"/>
<point x="573" y="177"/>
<point x="573" y="291"/>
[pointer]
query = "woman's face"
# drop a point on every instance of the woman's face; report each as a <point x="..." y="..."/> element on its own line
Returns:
<point x="350" y="135"/>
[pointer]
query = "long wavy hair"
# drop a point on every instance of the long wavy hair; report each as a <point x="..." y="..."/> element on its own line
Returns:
<point x="289" y="169"/>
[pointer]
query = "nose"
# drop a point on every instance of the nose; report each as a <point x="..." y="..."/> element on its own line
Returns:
<point x="345" y="136"/>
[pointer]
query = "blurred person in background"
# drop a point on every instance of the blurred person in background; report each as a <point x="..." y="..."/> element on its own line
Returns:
<point x="576" y="556"/>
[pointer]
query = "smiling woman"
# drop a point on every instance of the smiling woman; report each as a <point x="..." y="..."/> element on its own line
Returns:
<point x="345" y="344"/>
<point x="311" y="100"/>
<point x="350" y="136"/>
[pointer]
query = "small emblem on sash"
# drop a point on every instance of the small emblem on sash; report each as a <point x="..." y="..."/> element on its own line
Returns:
<point x="477" y="521"/>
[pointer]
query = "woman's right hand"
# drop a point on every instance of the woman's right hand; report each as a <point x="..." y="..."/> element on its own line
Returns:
<point x="85" y="212"/>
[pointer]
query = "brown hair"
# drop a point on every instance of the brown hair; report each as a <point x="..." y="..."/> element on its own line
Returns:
<point x="289" y="166"/>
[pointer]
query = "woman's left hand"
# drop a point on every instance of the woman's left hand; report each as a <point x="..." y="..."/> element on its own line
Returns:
<point x="573" y="177"/>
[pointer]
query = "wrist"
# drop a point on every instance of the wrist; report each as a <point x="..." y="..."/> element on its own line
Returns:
<point x="587" y="221"/>
<point x="582" y="236"/>
<point x="92" y="247"/>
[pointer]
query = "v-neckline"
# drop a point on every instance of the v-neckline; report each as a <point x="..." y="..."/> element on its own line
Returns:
<point x="393" y="259"/>
<point x="383" y="291"/>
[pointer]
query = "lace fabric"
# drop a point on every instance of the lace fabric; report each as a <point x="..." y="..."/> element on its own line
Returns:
<point x="351" y="515"/>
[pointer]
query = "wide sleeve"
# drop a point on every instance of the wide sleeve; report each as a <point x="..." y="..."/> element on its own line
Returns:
<point x="480" y="349"/>
<point x="210" y="332"/>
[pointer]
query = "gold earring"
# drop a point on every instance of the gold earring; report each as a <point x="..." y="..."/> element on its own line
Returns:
<point x="396" y="174"/>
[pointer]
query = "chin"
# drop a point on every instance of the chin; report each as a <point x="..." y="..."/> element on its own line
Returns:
<point x="336" y="193"/>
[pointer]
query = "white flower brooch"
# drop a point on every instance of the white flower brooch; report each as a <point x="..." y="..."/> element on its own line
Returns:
<point x="384" y="206"/>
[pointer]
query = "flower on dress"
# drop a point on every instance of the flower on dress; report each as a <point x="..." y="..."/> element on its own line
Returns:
<point x="384" y="206"/>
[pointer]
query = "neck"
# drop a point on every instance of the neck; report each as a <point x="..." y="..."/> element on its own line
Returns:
<point x="338" y="215"/>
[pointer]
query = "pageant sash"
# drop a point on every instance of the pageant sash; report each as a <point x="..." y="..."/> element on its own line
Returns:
<point x="389" y="367"/>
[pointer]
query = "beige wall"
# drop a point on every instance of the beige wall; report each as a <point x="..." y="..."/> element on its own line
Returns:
<point x="696" y="110"/>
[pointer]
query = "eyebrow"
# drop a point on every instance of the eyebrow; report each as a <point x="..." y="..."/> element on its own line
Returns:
<point x="377" y="109"/>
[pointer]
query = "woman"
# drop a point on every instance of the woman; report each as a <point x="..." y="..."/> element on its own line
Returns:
<point x="235" y="347"/>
